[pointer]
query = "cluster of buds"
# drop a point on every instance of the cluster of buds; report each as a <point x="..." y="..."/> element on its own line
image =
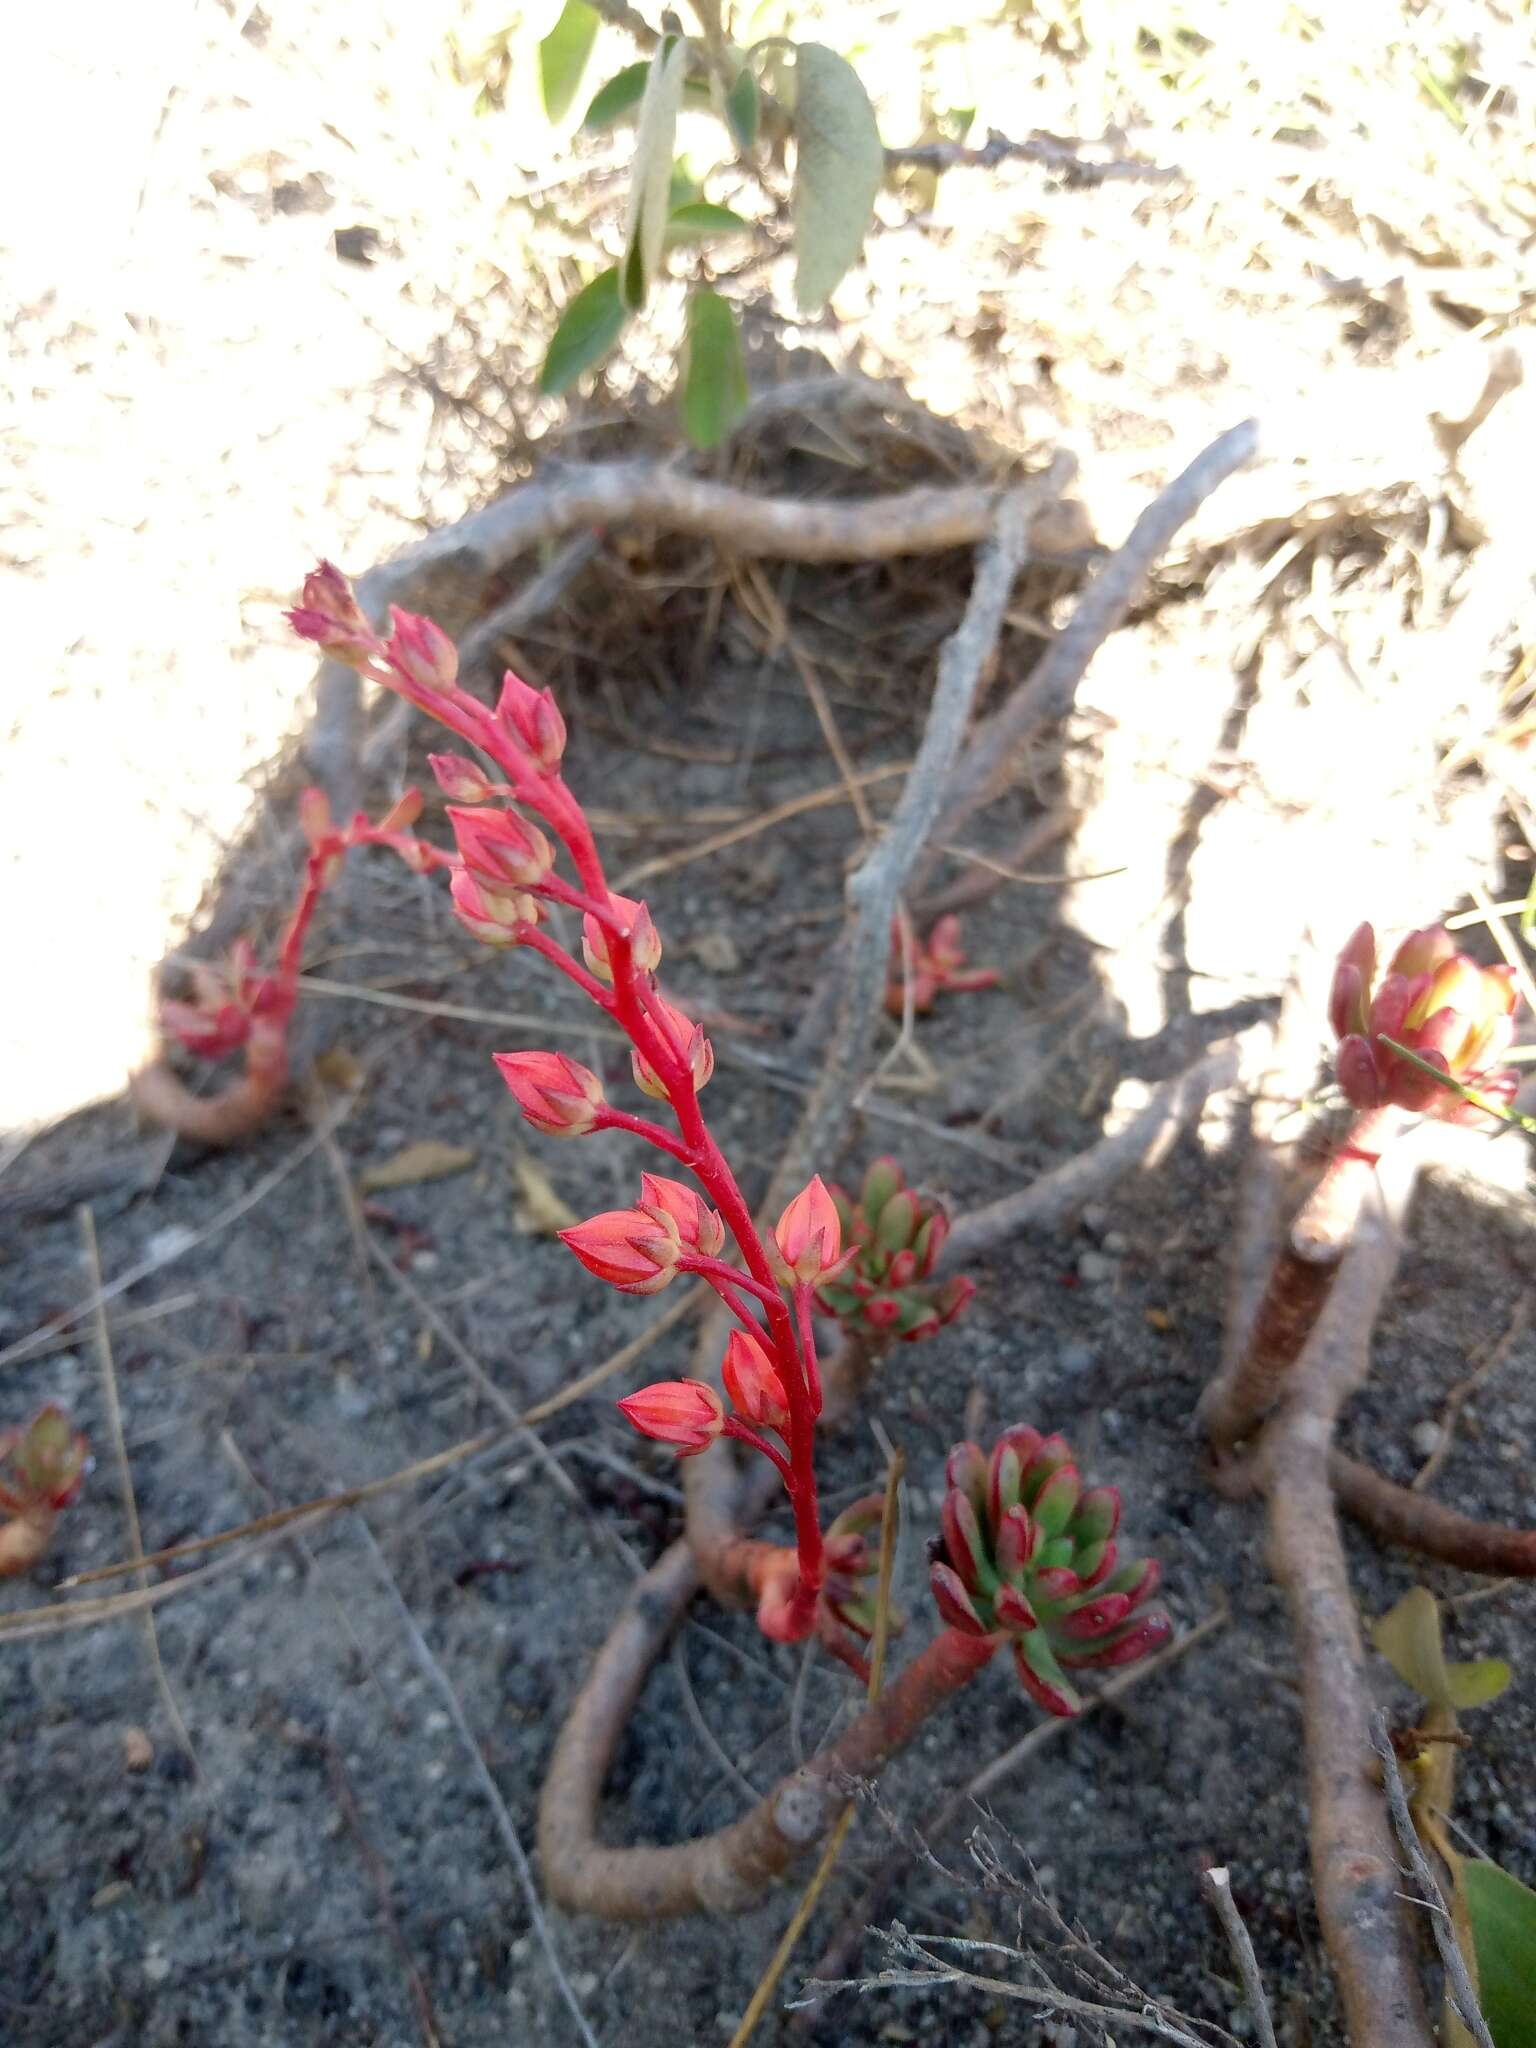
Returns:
<point x="42" y="1468"/>
<point x="1455" y="1016"/>
<point x="233" y="1004"/>
<point x="894" y="1236"/>
<point x="938" y="963"/>
<point x="1028" y="1553"/>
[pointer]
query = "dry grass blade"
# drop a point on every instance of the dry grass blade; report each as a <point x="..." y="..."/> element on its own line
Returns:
<point x="130" y="1503"/>
<point x="794" y="807"/>
<point x="443" y="1685"/>
<point x="778" y="1962"/>
<point x="1218" y="1886"/>
<point x="421" y="1468"/>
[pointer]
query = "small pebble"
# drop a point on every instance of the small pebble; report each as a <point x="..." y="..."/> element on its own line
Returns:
<point x="170" y="1243"/>
<point x="425" y="1262"/>
<point x="1425" y="1438"/>
<point x="1076" y="1358"/>
<point x="138" y="1750"/>
<point x="1096" y="1266"/>
<point x="1116" y="1241"/>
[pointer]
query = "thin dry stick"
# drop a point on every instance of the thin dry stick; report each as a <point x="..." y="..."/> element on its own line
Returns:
<point x="617" y="494"/>
<point x="876" y="884"/>
<point x="788" y="1942"/>
<point x="383" y="1891"/>
<point x="841" y="1952"/>
<point x="1145" y="1139"/>
<point x="422" y="1468"/>
<point x="1443" y="1927"/>
<point x="749" y="828"/>
<point x="1459" y="1395"/>
<point x="27" y="1347"/>
<point x="983" y="877"/>
<point x="443" y="1685"/>
<point x="130" y="1504"/>
<point x="983" y="771"/>
<point x="1218" y="1887"/>
<point x="1353" y="1861"/>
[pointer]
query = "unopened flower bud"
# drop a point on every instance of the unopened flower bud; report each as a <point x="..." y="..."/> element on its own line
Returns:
<point x="686" y="1413"/>
<point x="755" y="1389"/>
<point x="808" y="1235"/>
<point x="500" y="849"/>
<point x="533" y="717"/>
<point x="459" y="779"/>
<point x="699" y="1227"/>
<point x="644" y="942"/>
<point x="635" y="1250"/>
<point x="496" y="917"/>
<point x="688" y="1037"/>
<point x="330" y="616"/>
<point x="556" y="1094"/>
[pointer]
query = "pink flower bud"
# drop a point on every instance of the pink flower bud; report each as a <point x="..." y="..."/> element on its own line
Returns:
<point x="533" y="717"/>
<point x="1422" y="952"/>
<point x="421" y="653"/>
<point x="634" y="1250"/>
<point x="496" y="917"/>
<point x="500" y="849"/>
<point x="1359" y="1076"/>
<point x="460" y="779"/>
<point x="644" y="944"/>
<point x="330" y="615"/>
<point x="754" y="1386"/>
<point x="808" y="1234"/>
<point x="698" y="1226"/>
<point x="557" y="1095"/>
<point x="686" y="1413"/>
<point x="1352" y="979"/>
<point x="695" y="1048"/>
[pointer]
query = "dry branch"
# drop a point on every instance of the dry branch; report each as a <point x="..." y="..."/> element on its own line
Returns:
<point x="984" y="769"/>
<point x="1050" y="1200"/>
<point x="1396" y="1514"/>
<point x="1354" y="1864"/>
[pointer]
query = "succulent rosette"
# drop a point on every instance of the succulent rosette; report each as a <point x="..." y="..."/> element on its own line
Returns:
<point x="1028" y="1552"/>
<point x="1456" y="1016"/>
<point x="895" y="1236"/>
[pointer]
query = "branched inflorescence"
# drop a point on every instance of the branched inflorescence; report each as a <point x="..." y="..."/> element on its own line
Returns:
<point x="871" y="1263"/>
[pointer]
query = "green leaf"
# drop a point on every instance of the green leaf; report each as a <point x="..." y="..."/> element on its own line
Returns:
<point x="839" y="162"/>
<point x="1409" y="1638"/>
<point x="741" y="110"/>
<point x="714" y="390"/>
<point x="692" y="222"/>
<point x="620" y="96"/>
<point x="589" y="327"/>
<point x="650" y="181"/>
<point x="1501" y="1110"/>
<point x="1476" y="1682"/>
<point x="1503" y="1916"/>
<point x="563" y="55"/>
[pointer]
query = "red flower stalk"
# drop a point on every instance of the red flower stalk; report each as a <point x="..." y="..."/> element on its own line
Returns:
<point x="502" y="880"/>
<point x="1456" y="1016"/>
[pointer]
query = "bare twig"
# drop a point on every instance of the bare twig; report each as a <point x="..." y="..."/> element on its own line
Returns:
<point x="876" y="885"/>
<point x="1457" y="1398"/>
<point x="1145" y="1139"/>
<point x="1054" y="151"/>
<point x="1353" y="1863"/>
<point x="984" y="768"/>
<point x="1396" y="1514"/>
<point x="842" y="1950"/>
<point x="130" y="1504"/>
<point x="443" y="1685"/>
<point x="1218" y="1887"/>
<point x="1442" y="1926"/>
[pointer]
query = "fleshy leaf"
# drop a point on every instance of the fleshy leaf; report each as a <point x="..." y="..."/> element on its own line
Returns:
<point x="650" y="180"/>
<point x="620" y="96"/>
<point x="563" y="55"/>
<point x="589" y="329"/>
<point x="741" y="110"/>
<point x="839" y="162"/>
<point x="701" y="217"/>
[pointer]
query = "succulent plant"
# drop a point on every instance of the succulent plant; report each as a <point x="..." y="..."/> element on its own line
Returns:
<point x="895" y="1236"/>
<point x="1028" y="1552"/>
<point x="1457" y="1016"/>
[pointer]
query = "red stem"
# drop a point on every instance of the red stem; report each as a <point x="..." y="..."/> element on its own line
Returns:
<point x="653" y="1134"/>
<point x="744" y="1435"/>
